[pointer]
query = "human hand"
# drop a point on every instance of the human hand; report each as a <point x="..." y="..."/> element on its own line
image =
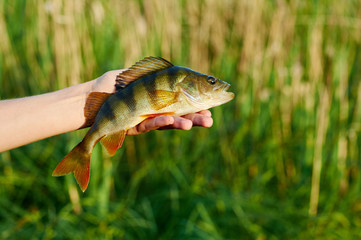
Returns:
<point x="106" y="82"/>
<point x="186" y="122"/>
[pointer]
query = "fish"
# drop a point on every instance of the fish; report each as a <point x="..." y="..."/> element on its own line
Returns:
<point x="151" y="87"/>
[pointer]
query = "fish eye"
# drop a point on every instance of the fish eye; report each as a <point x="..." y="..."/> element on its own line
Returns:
<point x="211" y="80"/>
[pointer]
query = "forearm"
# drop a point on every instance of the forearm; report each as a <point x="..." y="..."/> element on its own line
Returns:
<point x="33" y="118"/>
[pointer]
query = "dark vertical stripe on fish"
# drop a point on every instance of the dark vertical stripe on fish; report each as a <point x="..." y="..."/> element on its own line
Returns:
<point x="172" y="76"/>
<point x="107" y="111"/>
<point x="149" y="84"/>
<point x="127" y="95"/>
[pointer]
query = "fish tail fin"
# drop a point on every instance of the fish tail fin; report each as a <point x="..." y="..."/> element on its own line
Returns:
<point x="77" y="161"/>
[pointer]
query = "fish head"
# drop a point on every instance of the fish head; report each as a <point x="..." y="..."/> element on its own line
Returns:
<point x="205" y="91"/>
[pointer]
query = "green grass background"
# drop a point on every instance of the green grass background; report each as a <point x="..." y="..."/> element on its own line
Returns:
<point x="282" y="160"/>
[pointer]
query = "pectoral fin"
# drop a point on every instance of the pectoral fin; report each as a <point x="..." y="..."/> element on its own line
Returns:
<point x="163" y="98"/>
<point x="113" y="142"/>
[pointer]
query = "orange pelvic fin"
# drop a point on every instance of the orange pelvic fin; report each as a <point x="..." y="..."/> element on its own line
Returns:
<point x="158" y="114"/>
<point x="77" y="161"/>
<point x="113" y="142"/>
<point x="163" y="98"/>
<point x="93" y="103"/>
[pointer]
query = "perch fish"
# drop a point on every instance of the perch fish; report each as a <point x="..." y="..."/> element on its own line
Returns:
<point x="151" y="87"/>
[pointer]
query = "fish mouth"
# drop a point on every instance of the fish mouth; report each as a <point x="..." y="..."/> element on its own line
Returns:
<point x="224" y="95"/>
<point x="223" y="86"/>
<point x="226" y="87"/>
<point x="230" y="95"/>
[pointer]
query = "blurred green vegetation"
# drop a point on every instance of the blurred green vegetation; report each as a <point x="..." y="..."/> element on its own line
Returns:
<point x="282" y="160"/>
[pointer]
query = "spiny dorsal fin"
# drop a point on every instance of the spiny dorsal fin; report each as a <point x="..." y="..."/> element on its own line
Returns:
<point x="142" y="68"/>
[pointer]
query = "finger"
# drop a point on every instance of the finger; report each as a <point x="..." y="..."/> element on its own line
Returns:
<point x="179" y="123"/>
<point x="151" y="124"/>
<point x="199" y="119"/>
<point x="205" y="113"/>
<point x="155" y="123"/>
<point x="182" y="123"/>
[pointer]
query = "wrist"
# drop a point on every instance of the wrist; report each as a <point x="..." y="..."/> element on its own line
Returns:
<point x="106" y="82"/>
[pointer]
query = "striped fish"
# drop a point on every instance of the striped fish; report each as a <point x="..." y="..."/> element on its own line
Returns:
<point x="152" y="87"/>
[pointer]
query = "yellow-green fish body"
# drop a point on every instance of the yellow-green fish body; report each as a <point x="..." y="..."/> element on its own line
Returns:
<point x="152" y="87"/>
